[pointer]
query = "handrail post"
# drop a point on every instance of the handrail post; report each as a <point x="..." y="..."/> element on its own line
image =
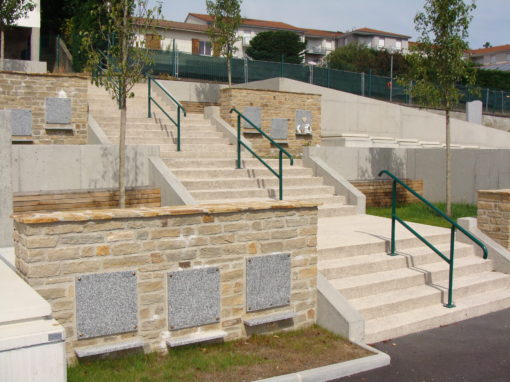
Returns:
<point x="393" y="214"/>
<point x="280" y="162"/>
<point x="450" y="281"/>
<point x="178" y="128"/>
<point x="149" y="114"/>
<point x="238" y="141"/>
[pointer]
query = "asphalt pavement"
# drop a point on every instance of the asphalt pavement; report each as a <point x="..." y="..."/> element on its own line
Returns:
<point x="473" y="350"/>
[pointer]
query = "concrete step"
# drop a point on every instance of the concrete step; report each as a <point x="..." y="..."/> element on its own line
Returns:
<point x="259" y="182"/>
<point x="429" y="317"/>
<point x="379" y="282"/>
<point x="200" y="173"/>
<point x="393" y="302"/>
<point x="380" y="262"/>
<point x="331" y="209"/>
<point x="272" y="193"/>
<point x="204" y="163"/>
<point x="321" y="199"/>
<point x="185" y="142"/>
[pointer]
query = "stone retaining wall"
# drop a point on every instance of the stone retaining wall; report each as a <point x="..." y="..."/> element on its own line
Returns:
<point x="494" y="215"/>
<point x="274" y="105"/>
<point x="30" y="92"/>
<point x="56" y="251"/>
<point x="379" y="192"/>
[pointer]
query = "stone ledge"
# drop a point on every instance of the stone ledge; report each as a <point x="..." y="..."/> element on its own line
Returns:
<point x="269" y="319"/>
<point x="146" y="212"/>
<point x="90" y="351"/>
<point x="196" y="338"/>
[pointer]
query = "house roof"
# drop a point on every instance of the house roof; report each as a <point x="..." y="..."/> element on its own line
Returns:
<point x="370" y="31"/>
<point x="166" y="24"/>
<point x="254" y="23"/>
<point x="321" y="33"/>
<point x="494" y="49"/>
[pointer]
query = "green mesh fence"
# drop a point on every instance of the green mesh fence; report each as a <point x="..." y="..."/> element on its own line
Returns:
<point x="185" y="65"/>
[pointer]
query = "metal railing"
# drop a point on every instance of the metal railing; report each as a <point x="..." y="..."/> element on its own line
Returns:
<point x="282" y="151"/>
<point x="454" y="226"/>
<point x="177" y="103"/>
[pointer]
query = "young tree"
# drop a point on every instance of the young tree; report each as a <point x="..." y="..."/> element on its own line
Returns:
<point x="272" y="45"/>
<point x="437" y="63"/>
<point x="226" y="19"/>
<point x="10" y="12"/>
<point x="124" y="60"/>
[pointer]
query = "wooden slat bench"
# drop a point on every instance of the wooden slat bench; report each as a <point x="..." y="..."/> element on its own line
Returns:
<point x="378" y="192"/>
<point x="46" y="201"/>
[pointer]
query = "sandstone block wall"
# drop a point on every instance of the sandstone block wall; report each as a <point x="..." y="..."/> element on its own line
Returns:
<point x="494" y="215"/>
<point x="379" y="192"/>
<point x="274" y="104"/>
<point x="54" y="249"/>
<point x="29" y="92"/>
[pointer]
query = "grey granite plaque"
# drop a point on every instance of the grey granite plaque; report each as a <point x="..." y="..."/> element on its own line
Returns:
<point x="21" y="122"/>
<point x="267" y="281"/>
<point x="254" y="114"/>
<point x="279" y="128"/>
<point x="303" y="122"/>
<point x="106" y="304"/>
<point x="193" y="297"/>
<point x="58" y="110"/>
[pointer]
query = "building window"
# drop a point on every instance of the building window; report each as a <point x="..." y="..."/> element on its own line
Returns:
<point x="398" y="44"/>
<point x="381" y="43"/>
<point x="493" y="59"/>
<point x="204" y="48"/>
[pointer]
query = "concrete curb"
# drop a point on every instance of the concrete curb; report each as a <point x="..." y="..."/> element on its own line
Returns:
<point x="337" y="370"/>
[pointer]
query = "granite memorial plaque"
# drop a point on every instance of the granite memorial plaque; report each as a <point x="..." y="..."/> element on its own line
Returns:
<point x="21" y="122"/>
<point x="106" y="304"/>
<point x="267" y="281"/>
<point x="279" y="128"/>
<point x="254" y="114"/>
<point x="58" y="110"/>
<point x="303" y="122"/>
<point x="193" y="297"/>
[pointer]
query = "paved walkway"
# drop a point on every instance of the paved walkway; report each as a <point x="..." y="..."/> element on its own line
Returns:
<point x="474" y="350"/>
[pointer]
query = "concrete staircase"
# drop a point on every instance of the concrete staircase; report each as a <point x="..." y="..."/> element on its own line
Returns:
<point x="206" y="163"/>
<point x="398" y="295"/>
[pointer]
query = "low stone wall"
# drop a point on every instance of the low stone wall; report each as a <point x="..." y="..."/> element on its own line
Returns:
<point x="245" y="246"/>
<point x="379" y="192"/>
<point x="40" y="115"/>
<point x="494" y="215"/>
<point x="278" y="114"/>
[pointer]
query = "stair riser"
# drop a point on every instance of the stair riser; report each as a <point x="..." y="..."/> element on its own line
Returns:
<point x="155" y="131"/>
<point x="391" y="263"/>
<point x="370" y="248"/>
<point x="249" y="182"/>
<point x="450" y="316"/>
<point x="337" y="211"/>
<point x="268" y="193"/>
<point x="415" y="280"/>
<point x="236" y="174"/>
<point x="438" y="297"/>
<point x="184" y="141"/>
<point x="247" y="164"/>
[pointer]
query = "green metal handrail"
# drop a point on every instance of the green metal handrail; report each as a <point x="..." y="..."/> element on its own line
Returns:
<point x="177" y="103"/>
<point x="454" y="226"/>
<point x="240" y="143"/>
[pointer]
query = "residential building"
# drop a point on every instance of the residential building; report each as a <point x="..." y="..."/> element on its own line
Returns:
<point x="319" y="44"/>
<point x="496" y="57"/>
<point x="22" y="43"/>
<point x="375" y="39"/>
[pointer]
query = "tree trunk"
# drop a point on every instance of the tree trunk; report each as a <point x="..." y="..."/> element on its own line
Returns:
<point x="2" y="48"/>
<point x="229" y="70"/>
<point x="448" y="166"/>
<point x="122" y="155"/>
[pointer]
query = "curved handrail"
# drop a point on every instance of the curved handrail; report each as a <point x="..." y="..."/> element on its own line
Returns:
<point x="439" y="212"/>
<point x="177" y="103"/>
<point x="264" y="134"/>
<point x="240" y="143"/>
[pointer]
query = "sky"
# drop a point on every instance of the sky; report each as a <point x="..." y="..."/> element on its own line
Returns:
<point x="491" y="21"/>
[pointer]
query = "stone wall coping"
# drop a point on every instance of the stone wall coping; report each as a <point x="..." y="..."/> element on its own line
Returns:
<point x="59" y="75"/>
<point x="147" y="212"/>
<point x="270" y="91"/>
<point x="503" y="194"/>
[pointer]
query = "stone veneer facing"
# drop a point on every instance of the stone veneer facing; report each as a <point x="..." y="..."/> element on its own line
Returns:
<point x="494" y="215"/>
<point x="55" y="250"/>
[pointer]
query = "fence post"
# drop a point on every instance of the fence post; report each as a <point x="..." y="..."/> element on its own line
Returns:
<point x="370" y="82"/>
<point x="487" y="100"/>
<point x="363" y="84"/>
<point x="245" y="70"/>
<point x="502" y="102"/>
<point x="310" y="77"/>
<point x="329" y="77"/>
<point x="281" y="67"/>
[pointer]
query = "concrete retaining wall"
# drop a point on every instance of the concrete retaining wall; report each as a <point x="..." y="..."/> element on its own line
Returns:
<point x="193" y="91"/>
<point x="473" y="169"/>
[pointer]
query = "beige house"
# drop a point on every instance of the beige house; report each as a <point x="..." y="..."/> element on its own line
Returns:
<point x="375" y="39"/>
<point x="496" y="57"/>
